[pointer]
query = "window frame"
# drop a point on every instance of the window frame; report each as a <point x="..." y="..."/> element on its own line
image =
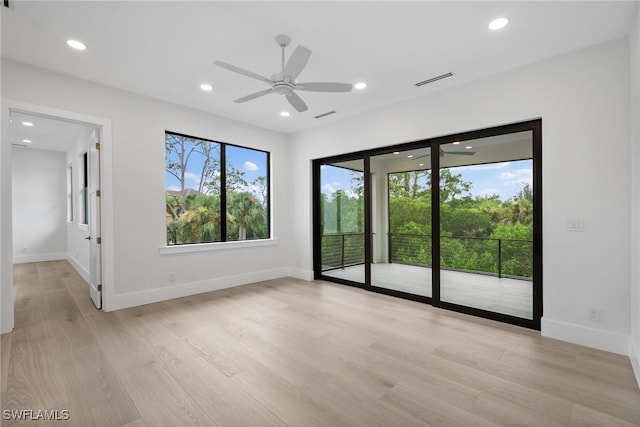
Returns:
<point x="224" y="241"/>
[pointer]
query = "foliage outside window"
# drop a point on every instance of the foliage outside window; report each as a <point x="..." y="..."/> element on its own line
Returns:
<point x="199" y="190"/>
<point x="473" y="229"/>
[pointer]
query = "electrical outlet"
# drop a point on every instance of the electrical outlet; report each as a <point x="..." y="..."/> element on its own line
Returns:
<point x="594" y="315"/>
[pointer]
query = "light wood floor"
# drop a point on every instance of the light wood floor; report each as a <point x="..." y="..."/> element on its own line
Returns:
<point x="293" y="353"/>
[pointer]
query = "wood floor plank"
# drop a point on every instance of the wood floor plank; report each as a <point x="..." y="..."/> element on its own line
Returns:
<point x="5" y="358"/>
<point x="554" y="380"/>
<point x="287" y="352"/>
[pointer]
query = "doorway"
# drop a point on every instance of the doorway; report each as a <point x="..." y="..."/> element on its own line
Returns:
<point x="453" y="221"/>
<point x="12" y="113"/>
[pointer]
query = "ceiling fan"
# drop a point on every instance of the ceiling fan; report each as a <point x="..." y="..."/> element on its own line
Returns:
<point x="284" y="82"/>
<point x="455" y="153"/>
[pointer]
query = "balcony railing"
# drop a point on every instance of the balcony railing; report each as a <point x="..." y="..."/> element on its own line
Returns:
<point x="342" y="250"/>
<point x="484" y="255"/>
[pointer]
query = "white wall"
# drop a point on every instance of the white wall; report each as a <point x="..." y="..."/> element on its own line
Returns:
<point x="39" y="209"/>
<point x="76" y="233"/>
<point x="634" y="50"/>
<point x="140" y="273"/>
<point x="583" y="100"/>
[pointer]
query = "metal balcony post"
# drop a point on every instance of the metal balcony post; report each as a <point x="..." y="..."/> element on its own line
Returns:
<point x="500" y="258"/>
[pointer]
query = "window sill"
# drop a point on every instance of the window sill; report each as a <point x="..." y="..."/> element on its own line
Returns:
<point x="218" y="246"/>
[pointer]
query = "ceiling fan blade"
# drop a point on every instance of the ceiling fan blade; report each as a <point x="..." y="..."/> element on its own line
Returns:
<point x="325" y="87"/>
<point x="296" y="102"/>
<point x="460" y="153"/>
<point x="243" y="71"/>
<point x="254" y="95"/>
<point x="297" y="62"/>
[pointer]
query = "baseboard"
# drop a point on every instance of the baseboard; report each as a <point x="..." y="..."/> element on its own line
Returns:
<point x="613" y="342"/>
<point x="51" y="256"/>
<point x="634" y="356"/>
<point x="79" y="268"/>
<point x="300" y="273"/>
<point x="132" y="299"/>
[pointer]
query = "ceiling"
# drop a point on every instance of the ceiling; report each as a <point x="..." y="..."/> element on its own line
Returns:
<point x="45" y="133"/>
<point x="166" y="49"/>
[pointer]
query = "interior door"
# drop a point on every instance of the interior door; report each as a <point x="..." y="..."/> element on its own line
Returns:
<point x="95" y="264"/>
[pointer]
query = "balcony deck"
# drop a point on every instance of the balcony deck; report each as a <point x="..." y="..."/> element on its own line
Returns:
<point x="501" y="295"/>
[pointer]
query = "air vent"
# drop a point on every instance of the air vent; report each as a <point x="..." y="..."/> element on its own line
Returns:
<point x="328" y="113"/>
<point x="433" y="79"/>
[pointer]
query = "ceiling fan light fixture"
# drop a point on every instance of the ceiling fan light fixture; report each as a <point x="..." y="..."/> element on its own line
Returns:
<point x="498" y="23"/>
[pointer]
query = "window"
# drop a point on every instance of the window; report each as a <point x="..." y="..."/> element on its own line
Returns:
<point x="199" y="190"/>
<point x="84" y="191"/>
<point x="69" y="194"/>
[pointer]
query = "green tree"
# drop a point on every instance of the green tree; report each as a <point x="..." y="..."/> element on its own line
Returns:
<point x="201" y="221"/>
<point x="247" y="217"/>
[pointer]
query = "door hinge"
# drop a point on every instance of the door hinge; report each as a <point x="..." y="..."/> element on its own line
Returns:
<point x="99" y="240"/>
<point x="97" y="193"/>
<point x="100" y="287"/>
<point x="97" y="145"/>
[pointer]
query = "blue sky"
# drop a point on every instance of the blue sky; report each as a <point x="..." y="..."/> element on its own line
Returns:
<point x="253" y="163"/>
<point x="504" y="178"/>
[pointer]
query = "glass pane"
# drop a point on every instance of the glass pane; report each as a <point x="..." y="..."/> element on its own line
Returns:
<point x="342" y="210"/>
<point x="192" y="183"/>
<point x="401" y="219"/>
<point x="247" y="193"/>
<point x="486" y="224"/>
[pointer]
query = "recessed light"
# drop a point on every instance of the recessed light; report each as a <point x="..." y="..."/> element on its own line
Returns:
<point x="420" y="164"/>
<point x="206" y="87"/>
<point x="77" y="45"/>
<point x="27" y="124"/>
<point x="456" y="143"/>
<point x="285" y="113"/>
<point x="360" y="85"/>
<point x="26" y="141"/>
<point x="410" y="156"/>
<point x="468" y="147"/>
<point x="396" y="152"/>
<point x="498" y="23"/>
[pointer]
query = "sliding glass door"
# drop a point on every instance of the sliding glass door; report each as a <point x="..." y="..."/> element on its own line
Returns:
<point x="401" y="221"/>
<point x="341" y="220"/>
<point x="454" y="221"/>
<point x="486" y="224"/>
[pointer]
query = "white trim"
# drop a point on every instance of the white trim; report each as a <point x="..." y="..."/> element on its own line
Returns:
<point x="50" y="256"/>
<point x="613" y="342"/>
<point x="218" y="246"/>
<point x="133" y="299"/>
<point x="79" y="268"/>
<point x="301" y="273"/>
<point x="634" y="356"/>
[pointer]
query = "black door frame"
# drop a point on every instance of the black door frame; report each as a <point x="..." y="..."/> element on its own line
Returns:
<point x="535" y="126"/>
